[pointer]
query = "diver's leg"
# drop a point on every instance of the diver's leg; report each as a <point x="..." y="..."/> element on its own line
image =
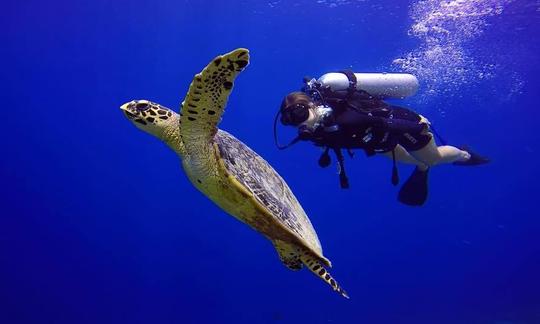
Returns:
<point x="414" y="191"/>
<point x="431" y="154"/>
<point x="404" y="157"/>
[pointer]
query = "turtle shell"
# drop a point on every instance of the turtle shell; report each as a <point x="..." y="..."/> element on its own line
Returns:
<point x="267" y="187"/>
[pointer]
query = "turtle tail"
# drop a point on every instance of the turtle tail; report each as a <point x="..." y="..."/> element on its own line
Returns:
<point x="318" y="269"/>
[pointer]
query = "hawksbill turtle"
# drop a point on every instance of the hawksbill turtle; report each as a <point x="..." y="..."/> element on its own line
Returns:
<point x="227" y="171"/>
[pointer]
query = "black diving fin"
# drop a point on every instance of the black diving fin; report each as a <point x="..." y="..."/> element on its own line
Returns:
<point x="414" y="191"/>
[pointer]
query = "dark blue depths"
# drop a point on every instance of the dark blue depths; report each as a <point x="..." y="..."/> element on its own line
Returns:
<point x="100" y="225"/>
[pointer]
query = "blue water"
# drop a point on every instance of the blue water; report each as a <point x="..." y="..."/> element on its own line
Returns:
<point x="100" y="225"/>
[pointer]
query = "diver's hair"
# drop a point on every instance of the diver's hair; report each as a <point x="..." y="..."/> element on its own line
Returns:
<point x="295" y="98"/>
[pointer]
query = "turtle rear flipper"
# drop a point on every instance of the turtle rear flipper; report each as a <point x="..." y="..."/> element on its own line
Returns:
<point x="294" y="258"/>
<point x="288" y="254"/>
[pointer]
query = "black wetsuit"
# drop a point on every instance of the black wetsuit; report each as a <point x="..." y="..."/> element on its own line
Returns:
<point x="361" y="121"/>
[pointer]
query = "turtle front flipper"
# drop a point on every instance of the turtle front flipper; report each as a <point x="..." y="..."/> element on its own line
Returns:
<point x="207" y="97"/>
<point x="318" y="269"/>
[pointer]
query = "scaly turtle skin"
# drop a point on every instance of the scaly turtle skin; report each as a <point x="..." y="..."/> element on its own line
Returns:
<point x="227" y="171"/>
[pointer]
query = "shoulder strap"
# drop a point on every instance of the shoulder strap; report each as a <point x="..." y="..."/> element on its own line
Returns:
<point x="352" y="81"/>
<point x="360" y="100"/>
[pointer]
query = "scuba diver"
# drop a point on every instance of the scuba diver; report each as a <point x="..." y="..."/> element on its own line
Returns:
<point x="345" y="111"/>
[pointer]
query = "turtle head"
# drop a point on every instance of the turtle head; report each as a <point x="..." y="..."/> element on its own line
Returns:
<point x="151" y="117"/>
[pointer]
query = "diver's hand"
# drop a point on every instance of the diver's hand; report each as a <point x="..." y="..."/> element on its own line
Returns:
<point x="304" y="133"/>
<point x="424" y="120"/>
<point x="426" y="123"/>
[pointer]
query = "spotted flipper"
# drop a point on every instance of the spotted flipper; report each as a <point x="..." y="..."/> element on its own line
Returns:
<point x="317" y="268"/>
<point x="207" y="97"/>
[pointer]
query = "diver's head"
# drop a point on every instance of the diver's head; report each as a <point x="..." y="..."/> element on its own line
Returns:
<point x="150" y="117"/>
<point x="296" y="109"/>
<point x="300" y="110"/>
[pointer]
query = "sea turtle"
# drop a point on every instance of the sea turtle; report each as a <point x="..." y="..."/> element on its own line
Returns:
<point x="227" y="171"/>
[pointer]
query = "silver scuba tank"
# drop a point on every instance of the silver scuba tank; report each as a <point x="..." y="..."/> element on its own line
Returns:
<point x="381" y="85"/>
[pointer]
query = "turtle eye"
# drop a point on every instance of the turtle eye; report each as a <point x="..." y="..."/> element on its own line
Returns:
<point x="142" y="106"/>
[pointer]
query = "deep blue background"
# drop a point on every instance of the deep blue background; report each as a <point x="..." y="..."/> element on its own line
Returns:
<point x="100" y="225"/>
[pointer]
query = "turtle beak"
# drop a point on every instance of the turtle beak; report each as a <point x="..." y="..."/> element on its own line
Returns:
<point x="129" y="110"/>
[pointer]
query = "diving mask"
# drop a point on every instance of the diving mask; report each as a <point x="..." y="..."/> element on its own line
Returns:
<point x="295" y="115"/>
<point x="316" y="119"/>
